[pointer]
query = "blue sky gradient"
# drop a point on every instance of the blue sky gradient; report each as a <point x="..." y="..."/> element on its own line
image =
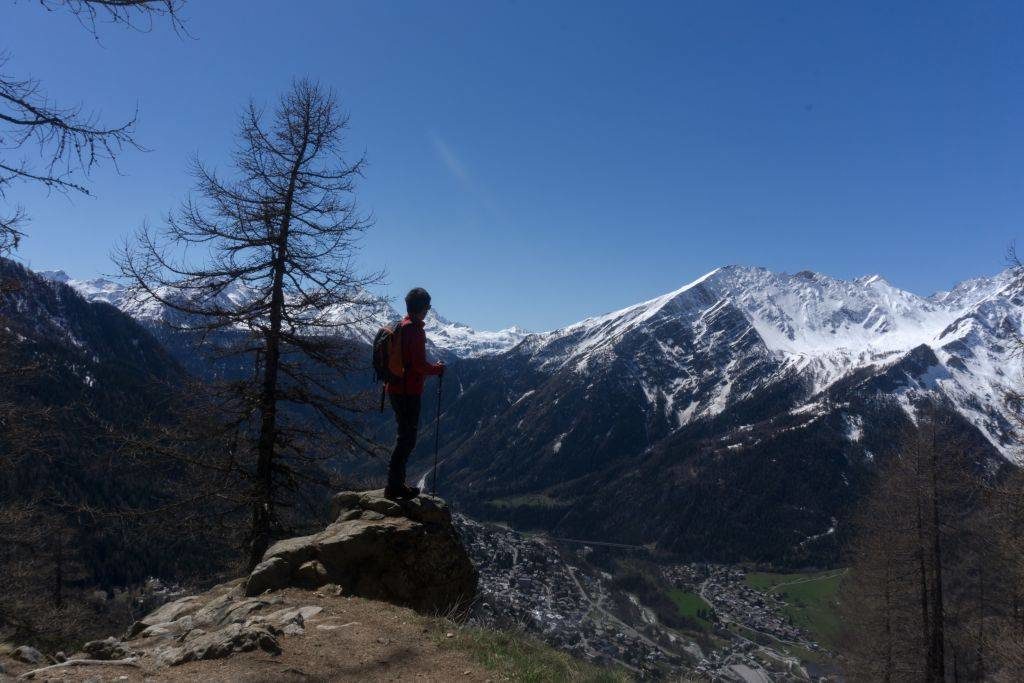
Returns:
<point x="533" y="163"/>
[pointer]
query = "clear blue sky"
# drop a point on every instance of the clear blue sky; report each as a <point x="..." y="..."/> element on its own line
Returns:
<point x="538" y="162"/>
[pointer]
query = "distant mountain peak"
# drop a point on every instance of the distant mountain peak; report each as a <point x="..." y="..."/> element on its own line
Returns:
<point x="452" y="337"/>
<point x="873" y="279"/>
<point x="54" y="275"/>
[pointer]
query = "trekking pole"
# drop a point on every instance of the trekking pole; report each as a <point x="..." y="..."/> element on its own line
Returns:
<point x="437" y="433"/>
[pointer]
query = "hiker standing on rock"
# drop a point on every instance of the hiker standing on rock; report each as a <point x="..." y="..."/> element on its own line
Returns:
<point x="406" y="346"/>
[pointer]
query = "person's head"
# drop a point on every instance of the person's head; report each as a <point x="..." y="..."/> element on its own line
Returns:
<point x="417" y="303"/>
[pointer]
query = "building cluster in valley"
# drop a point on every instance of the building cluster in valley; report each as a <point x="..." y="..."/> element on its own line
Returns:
<point x="734" y="601"/>
<point x="535" y="584"/>
<point x="527" y="584"/>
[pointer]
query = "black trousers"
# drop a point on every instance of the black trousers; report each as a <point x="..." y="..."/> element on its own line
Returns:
<point x="407" y="417"/>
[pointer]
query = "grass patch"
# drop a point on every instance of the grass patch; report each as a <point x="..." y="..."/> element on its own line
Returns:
<point x="819" y="658"/>
<point x="811" y="600"/>
<point x="519" y="657"/>
<point x="692" y="605"/>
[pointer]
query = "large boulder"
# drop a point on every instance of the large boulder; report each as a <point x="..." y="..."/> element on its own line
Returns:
<point x="401" y="551"/>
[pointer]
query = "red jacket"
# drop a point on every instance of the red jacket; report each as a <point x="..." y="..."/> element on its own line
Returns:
<point x="414" y="357"/>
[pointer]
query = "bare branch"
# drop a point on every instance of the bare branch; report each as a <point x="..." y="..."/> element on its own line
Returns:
<point x="136" y="14"/>
<point x="68" y="141"/>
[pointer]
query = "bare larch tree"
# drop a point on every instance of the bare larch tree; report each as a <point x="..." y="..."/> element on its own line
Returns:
<point x="928" y="589"/>
<point x="55" y="145"/>
<point x="260" y="266"/>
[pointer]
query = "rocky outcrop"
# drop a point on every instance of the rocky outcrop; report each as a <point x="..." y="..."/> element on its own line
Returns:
<point x="28" y="654"/>
<point x="212" y="625"/>
<point x="405" y="552"/>
<point x="107" y="649"/>
<point x="207" y="626"/>
<point x="236" y="637"/>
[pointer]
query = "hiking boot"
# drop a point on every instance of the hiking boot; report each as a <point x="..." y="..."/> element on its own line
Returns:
<point x="403" y="491"/>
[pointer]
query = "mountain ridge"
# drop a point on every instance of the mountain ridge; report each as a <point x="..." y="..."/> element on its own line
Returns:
<point x="454" y="338"/>
<point x="822" y="327"/>
<point x="746" y="398"/>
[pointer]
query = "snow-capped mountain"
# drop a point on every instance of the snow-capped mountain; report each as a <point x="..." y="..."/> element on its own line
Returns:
<point x="465" y="342"/>
<point x="96" y="289"/>
<point x="84" y="349"/>
<point x="452" y="338"/>
<point x="820" y="328"/>
<point x="746" y="397"/>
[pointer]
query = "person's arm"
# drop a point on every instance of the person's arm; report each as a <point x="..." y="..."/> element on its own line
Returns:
<point x="418" y="354"/>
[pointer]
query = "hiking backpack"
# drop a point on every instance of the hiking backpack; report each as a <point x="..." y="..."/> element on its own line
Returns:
<point x="387" y="357"/>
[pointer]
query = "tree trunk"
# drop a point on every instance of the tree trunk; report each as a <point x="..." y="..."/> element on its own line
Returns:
<point x="923" y="579"/>
<point x="980" y="672"/>
<point x="264" y="502"/>
<point x="263" y="506"/>
<point x="887" y="678"/>
<point x="58" y="573"/>
<point x="938" y="635"/>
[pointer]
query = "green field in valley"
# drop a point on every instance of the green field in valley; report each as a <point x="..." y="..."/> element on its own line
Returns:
<point x="691" y="605"/>
<point x="810" y="598"/>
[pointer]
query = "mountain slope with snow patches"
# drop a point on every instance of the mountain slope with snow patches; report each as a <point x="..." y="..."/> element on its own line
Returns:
<point x="77" y="351"/>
